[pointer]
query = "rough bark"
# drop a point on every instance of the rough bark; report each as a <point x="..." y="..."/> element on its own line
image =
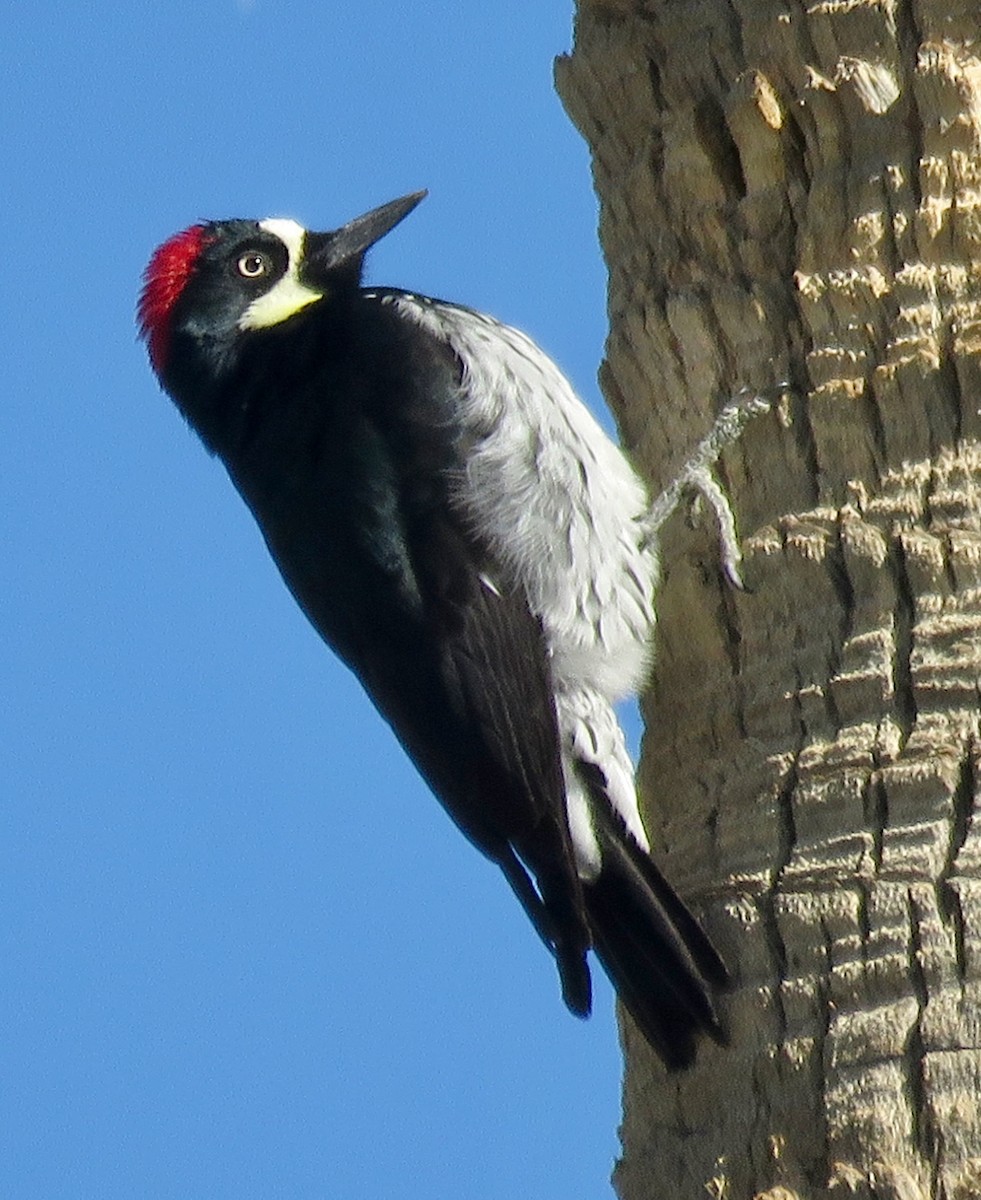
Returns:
<point x="792" y="190"/>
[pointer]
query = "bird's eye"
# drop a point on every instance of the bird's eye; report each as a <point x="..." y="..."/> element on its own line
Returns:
<point x="252" y="264"/>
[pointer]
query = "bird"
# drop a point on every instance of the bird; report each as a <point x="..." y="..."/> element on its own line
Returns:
<point x="462" y="533"/>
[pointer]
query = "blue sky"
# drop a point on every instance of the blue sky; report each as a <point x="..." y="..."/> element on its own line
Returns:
<point x="243" y="952"/>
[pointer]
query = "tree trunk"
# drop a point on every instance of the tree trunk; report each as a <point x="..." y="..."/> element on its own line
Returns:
<point x="791" y="189"/>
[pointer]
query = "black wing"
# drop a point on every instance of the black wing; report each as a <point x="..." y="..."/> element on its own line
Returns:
<point x="352" y="493"/>
<point x="479" y="721"/>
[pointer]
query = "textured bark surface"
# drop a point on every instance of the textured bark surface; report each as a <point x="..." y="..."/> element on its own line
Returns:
<point x="792" y="190"/>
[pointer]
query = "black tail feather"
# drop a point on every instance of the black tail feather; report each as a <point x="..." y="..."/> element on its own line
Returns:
<point x="661" y="963"/>
<point x="561" y="923"/>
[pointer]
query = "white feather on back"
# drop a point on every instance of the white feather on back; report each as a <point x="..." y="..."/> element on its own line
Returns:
<point x="554" y="498"/>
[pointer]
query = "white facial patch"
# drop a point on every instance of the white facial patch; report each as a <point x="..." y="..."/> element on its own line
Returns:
<point x="287" y="295"/>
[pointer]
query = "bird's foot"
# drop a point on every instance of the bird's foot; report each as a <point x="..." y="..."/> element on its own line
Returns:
<point x="698" y="475"/>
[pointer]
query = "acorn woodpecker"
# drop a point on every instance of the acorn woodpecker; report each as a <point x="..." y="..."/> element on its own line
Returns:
<point x="461" y="532"/>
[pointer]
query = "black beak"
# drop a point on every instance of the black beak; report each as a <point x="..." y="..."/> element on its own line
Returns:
<point x="325" y="251"/>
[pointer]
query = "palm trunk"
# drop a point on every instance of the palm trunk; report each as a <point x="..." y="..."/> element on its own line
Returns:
<point x="791" y="189"/>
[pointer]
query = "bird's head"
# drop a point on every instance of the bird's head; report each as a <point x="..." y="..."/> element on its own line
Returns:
<point x="212" y="285"/>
